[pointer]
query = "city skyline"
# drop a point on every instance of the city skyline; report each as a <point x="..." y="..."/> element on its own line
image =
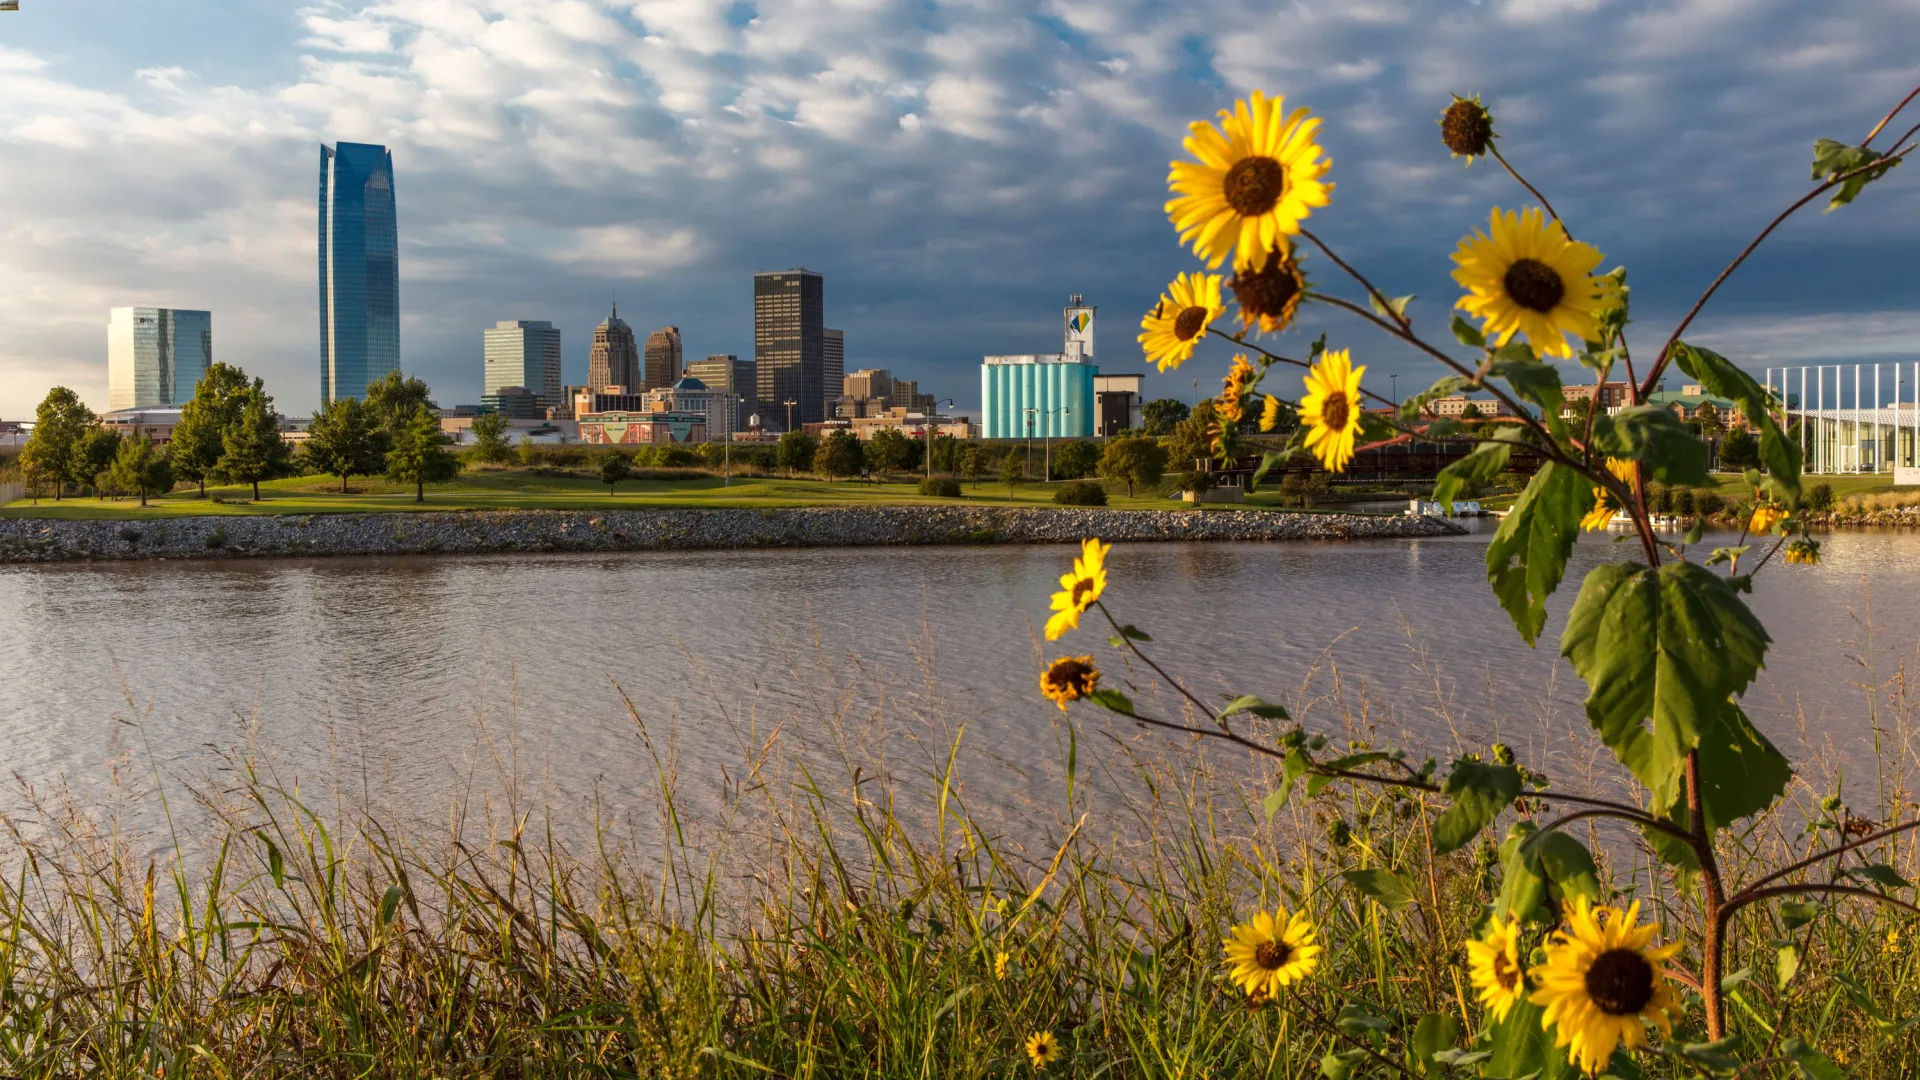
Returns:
<point x="953" y="184"/>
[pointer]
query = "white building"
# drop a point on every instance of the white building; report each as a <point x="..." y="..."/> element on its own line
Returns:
<point x="155" y="356"/>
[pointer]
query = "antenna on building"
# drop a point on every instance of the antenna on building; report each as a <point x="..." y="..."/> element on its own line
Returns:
<point x="1076" y="300"/>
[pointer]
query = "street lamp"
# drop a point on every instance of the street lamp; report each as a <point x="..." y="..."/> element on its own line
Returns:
<point x="1030" y="410"/>
<point x="1046" y="447"/>
<point x="726" y="453"/>
<point x="929" y="426"/>
<point x="789" y="405"/>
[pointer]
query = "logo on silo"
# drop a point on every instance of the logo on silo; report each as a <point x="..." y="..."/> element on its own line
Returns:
<point x="1080" y="321"/>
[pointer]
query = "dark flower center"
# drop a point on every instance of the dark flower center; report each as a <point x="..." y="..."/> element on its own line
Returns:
<point x="1272" y="955"/>
<point x="1534" y="284"/>
<point x="1269" y="291"/>
<point x="1081" y="588"/>
<point x="1466" y="128"/>
<point x="1190" y="323"/>
<point x="1335" y="409"/>
<point x="1620" y="982"/>
<point x="1071" y="677"/>
<point x="1254" y="185"/>
<point x="1505" y="972"/>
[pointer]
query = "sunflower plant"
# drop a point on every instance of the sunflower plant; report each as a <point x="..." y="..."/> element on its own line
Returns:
<point x="1569" y="975"/>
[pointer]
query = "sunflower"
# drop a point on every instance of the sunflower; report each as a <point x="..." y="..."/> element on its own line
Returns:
<point x="1258" y="177"/>
<point x="1332" y="408"/>
<point x="1000" y="960"/>
<point x="1180" y="319"/>
<point x="1765" y="517"/>
<point x="1268" y="952"/>
<point x="1494" y="965"/>
<point x="1079" y="588"/>
<point x="1233" y="390"/>
<point x="1272" y="413"/>
<point x="1042" y="1049"/>
<point x="1602" y="983"/>
<point x="1526" y="276"/>
<point x="1467" y="128"/>
<point x="1069" y="678"/>
<point x="1804" y="552"/>
<point x="1605" y="505"/>
<point x="1269" y="291"/>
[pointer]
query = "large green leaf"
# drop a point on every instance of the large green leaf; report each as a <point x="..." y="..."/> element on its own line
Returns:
<point x="1479" y="467"/>
<point x="1521" y="1048"/>
<point x="1532" y="861"/>
<point x="1534" y="382"/>
<point x="1670" y="646"/>
<point x="1720" y="376"/>
<point x="1382" y="886"/>
<point x="1656" y="438"/>
<point x="1448" y="384"/>
<point x="1479" y="792"/>
<point x="1741" y="774"/>
<point x="1529" y="552"/>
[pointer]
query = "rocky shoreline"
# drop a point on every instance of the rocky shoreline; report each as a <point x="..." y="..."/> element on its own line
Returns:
<point x="475" y="532"/>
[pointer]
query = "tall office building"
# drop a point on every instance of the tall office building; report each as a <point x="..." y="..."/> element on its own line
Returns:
<point x="525" y="354"/>
<point x="155" y="356"/>
<point x="614" y="359"/>
<point x="359" y="269"/>
<point x="789" y="343"/>
<point x="727" y="373"/>
<point x="833" y="363"/>
<point x="663" y="358"/>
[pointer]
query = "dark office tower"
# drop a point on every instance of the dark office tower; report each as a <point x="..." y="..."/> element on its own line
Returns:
<point x="359" y="270"/>
<point x="663" y="358"/>
<point x="614" y="359"/>
<point x="833" y="366"/>
<point x="788" y="346"/>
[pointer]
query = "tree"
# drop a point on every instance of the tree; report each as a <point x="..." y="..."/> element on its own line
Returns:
<point x="1074" y="460"/>
<point x="797" y="450"/>
<point x="139" y="468"/>
<point x="94" y="455"/>
<point x="1191" y="440"/>
<point x="974" y="462"/>
<point x="1137" y="459"/>
<point x="60" y="425"/>
<point x="490" y="438"/>
<point x="894" y="450"/>
<point x="1472" y="412"/>
<point x="839" y="455"/>
<point x="252" y="449"/>
<point x="392" y="403"/>
<point x="1162" y="414"/>
<point x="417" y="457"/>
<point x="342" y="441"/>
<point x="1740" y="450"/>
<point x="1012" y="471"/>
<point x="613" y="469"/>
<point x="199" y="439"/>
<point x="946" y="453"/>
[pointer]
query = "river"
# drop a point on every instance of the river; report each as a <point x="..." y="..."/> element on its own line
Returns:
<point x="405" y="682"/>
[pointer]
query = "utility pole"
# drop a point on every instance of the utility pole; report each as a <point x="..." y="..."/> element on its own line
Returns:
<point x="789" y="405"/>
<point x="734" y="402"/>
<point x="930" y="415"/>
<point x="1030" y="411"/>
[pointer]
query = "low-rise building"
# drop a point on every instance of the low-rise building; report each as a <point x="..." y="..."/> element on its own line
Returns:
<point x="515" y="403"/>
<point x="617" y="428"/>
<point x="1118" y="404"/>
<point x="1454" y="406"/>
<point x="690" y="395"/>
<point x="1611" y="397"/>
<point x="155" y="424"/>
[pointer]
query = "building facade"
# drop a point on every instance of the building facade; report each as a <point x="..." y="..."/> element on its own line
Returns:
<point x="789" y="347"/>
<point x="663" y="359"/>
<point x="359" y="269"/>
<point x="633" y="428"/>
<point x="728" y="374"/>
<point x="1118" y="404"/>
<point x="156" y="356"/>
<point x="833" y="364"/>
<point x="1043" y="395"/>
<point x="690" y="395"/>
<point x="614" y="359"/>
<point x="1454" y="406"/>
<point x="514" y="403"/>
<point x="523" y="354"/>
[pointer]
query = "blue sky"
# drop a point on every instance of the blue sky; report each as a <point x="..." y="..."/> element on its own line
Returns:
<point x="956" y="170"/>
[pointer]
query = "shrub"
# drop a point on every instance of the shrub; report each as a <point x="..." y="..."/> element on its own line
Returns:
<point x="1708" y="503"/>
<point x="945" y="487"/>
<point x="1683" y="501"/>
<point x="674" y="457"/>
<point x="1081" y="493"/>
<point x="1820" y="497"/>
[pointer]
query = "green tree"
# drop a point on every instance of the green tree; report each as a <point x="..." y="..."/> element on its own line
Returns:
<point x="1076" y="459"/>
<point x="1012" y="471"/>
<point x="140" y="468"/>
<point x="490" y="438"/>
<point x="60" y="426"/>
<point x="199" y="439"/>
<point x="797" y="450"/>
<point x="252" y="449"/>
<point x="418" y="456"/>
<point x="528" y="452"/>
<point x="613" y="469"/>
<point x="94" y="457"/>
<point x="1740" y="450"/>
<point x="392" y="403"/>
<point x="1136" y="459"/>
<point x="1161" y="414"/>
<point x="974" y="462"/>
<point x="1708" y="417"/>
<point x="839" y="455"/>
<point x="342" y="441"/>
<point x="893" y="450"/>
<point x="1191" y="441"/>
<point x="946" y="453"/>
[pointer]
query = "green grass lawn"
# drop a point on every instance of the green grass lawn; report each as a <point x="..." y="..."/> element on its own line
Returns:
<point x="512" y="489"/>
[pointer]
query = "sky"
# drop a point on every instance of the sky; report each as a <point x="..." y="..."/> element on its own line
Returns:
<point x="955" y="169"/>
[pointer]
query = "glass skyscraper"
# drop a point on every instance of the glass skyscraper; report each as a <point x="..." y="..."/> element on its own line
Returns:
<point x="156" y="356"/>
<point x="359" y="269"/>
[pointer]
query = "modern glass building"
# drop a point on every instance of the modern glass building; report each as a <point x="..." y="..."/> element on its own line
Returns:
<point x="359" y="269"/>
<point x="156" y="356"/>
<point x="1044" y="396"/>
<point x="526" y="354"/>
<point x="789" y="347"/>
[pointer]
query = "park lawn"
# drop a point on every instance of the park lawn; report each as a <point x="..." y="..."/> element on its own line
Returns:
<point x="514" y="489"/>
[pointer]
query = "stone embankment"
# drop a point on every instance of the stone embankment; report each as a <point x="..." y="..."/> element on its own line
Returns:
<point x="472" y="532"/>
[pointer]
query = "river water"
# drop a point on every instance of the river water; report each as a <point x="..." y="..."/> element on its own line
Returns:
<point x="407" y="682"/>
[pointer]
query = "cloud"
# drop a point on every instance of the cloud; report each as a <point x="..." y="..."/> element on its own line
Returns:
<point x="955" y="167"/>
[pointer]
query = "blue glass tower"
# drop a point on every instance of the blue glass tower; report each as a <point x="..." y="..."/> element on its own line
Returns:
<point x="359" y="270"/>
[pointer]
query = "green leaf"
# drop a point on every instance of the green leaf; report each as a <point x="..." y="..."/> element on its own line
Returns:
<point x="1434" y="1035"/>
<point x="1113" y="701"/>
<point x="1719" y="376"/>
<point x="1814" y="1065"/>
<point x="1339" y="1065"/>
<point x="1521" y="885"/>
<point x="1568" y="866"/>
<point x="1532" y="380"/>
<point x="1522" y="1049"/>
<point x="1354" y="761"/>
<point x="1468" y="334"/>
<point x="389" y="903"/>
<point x="1880" y="874"/>
<point x="1450" y="384"/>
<point x="1695" y="531"/>
<point x="1134" y="633"/>
<point x="1831" y="158"/>
<point x="275" y="865"/>
<point x="1273" y="802"/>
<point x="1655" y="437"/>
<point x="1249" y="703"/>
<point x="1670" y="646"/>
<point x="1798" y="913"/>
<point x="1393" y="308"/>
<point x="1479" y="467"/>
<point x="1479" y="792"/>
<point x="1714" y="1055"/>
<point x="1741" y="774"/>
<point x="1529" y="551"/>
<point x="1355" y="1020"/>
<point x="1292" y="768"/>
<point x="1786" y="964"/>
<point x="1383" y="887"/>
